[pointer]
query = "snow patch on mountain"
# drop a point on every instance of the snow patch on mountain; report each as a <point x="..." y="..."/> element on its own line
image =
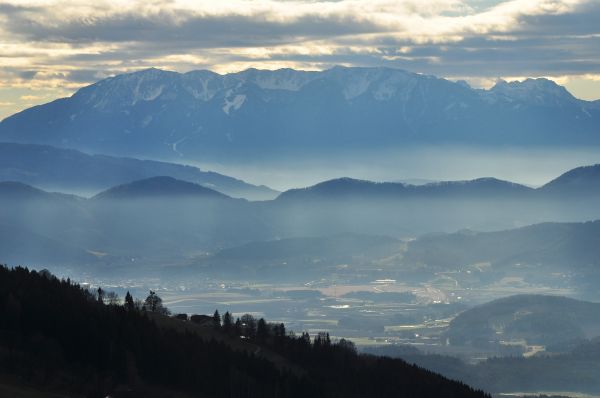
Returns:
<point x="174" y="146"/>
<point x="147" y="120"/>
<point x="146" y="93"/>
<point x="356" y="88"/>
<point x="395" y="85"/>
<point x="236" y="103"/>
<point x="202" y="85"/>
<point x="202" y="93"/>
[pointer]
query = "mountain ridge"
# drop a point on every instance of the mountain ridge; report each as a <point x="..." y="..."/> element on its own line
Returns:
<point x="579" y="179"/>
<point x="183" y="218"/>
<point x="204" y="115"/>
<point x="349" y="187"/>
<point x="159" y="187"/>
<point x="549" y="243"/>
<point x="69" y="170"/>
<point x="583" y="179"/>
<point x="19" y="190"/>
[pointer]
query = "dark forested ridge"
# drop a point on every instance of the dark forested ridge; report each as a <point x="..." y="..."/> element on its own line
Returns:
<point x="58" y="337"/>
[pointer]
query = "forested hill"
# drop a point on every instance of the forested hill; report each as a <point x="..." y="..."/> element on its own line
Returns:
<point x="56" y="337"/>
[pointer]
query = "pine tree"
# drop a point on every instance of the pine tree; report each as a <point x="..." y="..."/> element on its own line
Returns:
<point x="129" y="304"/>
<point x="262" y="330"/>
<point x="227" y="322"/>
<point x="217" y="319"/>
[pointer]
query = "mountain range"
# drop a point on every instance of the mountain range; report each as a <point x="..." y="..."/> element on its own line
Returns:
<point x="396" y="209"/>
<point x="349" y="188"/>
<point x="202" y="115"/>
<point x="68" y="170"/>
<point x="162" y="217"/>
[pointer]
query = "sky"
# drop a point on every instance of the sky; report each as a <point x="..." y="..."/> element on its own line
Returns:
<point x="50" y="48"/>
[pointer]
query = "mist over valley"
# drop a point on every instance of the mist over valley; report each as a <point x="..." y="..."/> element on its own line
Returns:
<point x="371" y="217"/>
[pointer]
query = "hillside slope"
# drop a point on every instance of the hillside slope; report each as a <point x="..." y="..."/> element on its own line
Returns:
<point x="573" y="245"/>
<point x="575" y="371"/>
<point x="535" y="319"/>
<point x="58" y="337"/>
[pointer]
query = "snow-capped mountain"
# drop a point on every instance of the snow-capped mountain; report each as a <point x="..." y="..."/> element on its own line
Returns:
<point x="542" y="92"/>
<point x="204" y="115"/>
